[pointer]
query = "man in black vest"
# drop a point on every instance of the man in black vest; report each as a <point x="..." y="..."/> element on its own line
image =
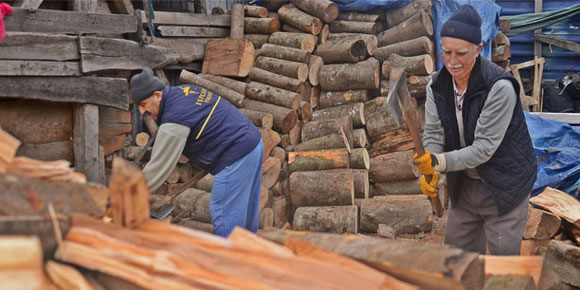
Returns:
<point x="475" y="127"/>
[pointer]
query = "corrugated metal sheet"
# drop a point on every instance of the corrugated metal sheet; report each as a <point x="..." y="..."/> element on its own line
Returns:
<point x="558" y="60"/>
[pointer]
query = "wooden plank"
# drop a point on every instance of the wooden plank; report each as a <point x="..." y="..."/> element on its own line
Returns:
<point x="66" y="277"/>
<point x="85" y="140"/>
<point x="111" y="92"/>
<point x="188" y="49"/>
<point x="112" y="115"/>
<point x="39" y="46"/>
<point x="27" y="4"/>
<point x="8" y="147"/>
<point x="122" y="7"/>
<point x="533" y="266"/>
<point x="54" y="21"/>
<point x="189" y="19"/>
<point x="193" y="31"/>
<point x="39" y="68"/>
<point x="112" y="144"/>
<point x="573" y="46"/>
<point x="570" y="118"/>
<point x="58" y="150"/>
<point x="114" y="129"/>
<point x="99" y="54"/>
<point x="229" y="57"/>
<point x="21" y="263"/>
<point x="129" y="194"/>
<point x="560" y="204"/>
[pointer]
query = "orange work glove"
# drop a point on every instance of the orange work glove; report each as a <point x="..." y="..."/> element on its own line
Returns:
<point x="429" y="188"/>
<point x="424" y="163"/>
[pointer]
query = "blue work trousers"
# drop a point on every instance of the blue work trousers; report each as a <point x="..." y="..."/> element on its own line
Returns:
<point x="235" y="195"/>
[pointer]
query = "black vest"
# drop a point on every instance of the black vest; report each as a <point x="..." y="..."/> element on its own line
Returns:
<point x="511" y="172"/>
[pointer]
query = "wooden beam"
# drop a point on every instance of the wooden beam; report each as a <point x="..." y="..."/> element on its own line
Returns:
<point x="193" y="31"/>
<point x="570" y="118"/>
<point x="86" y="140"/>
<point x="188" y="19"/>
<point x="89" y="6"/>
<point x="129" y="194"/>
<point x="111" y="92"/>
<point x="188" y="49"/>
<point x="48" y="151"/>
<point x="27" y="4"/>
<point x="99" y="54"/>
<point x="123" y="6"/>
<point x="39" y="46"/>
<point x="537" y="45"/>
<point x="39" y="68"/>
<point x="54" y="21"/>
<point x="569" y="45"/>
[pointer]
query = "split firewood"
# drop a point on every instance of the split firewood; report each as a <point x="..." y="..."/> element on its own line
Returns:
<point x="563" y="259"/>
<point x="324" y="33"/>
<point x="270" y="171"/>
<point x="8" y="147"/>
<point x="66" y="277"/>
<point x="266" y="219"/>
<point x="291" y="69"/>
<point x="421" y="65"/>
<point x="255" y="11"/>
<point x="359" y="159"/>
<point x="322" y="188"/>
<point x="541" y="225"/>
<point x="235" y="85"/>
<point x="270" y="139"/>
<point x="281" y="211"/>
<point x="58" y="170"/>
<point x="280" y="81"/>
<point x="260" y="119"/>
<point x="284" y="118"/>
<point x="273" y="95"/>
<point x="323" y="9"/>
<point x="258" y="40"/>
<point x="314" y="96"/>
<point x="417" y="46"/>
<point x="355" y="111"/>
<point x="391" y="167"/>
<point x="315" y="129"/>
<point x="295" y="133"/>
<point x="285" y="140"/>
<point x="254" y="25"/>
<point x="350" y="76"/>
<point x="299" y="19"/>
<point x="392" y="141"/>
<point x="304" y="112"/>
<point x="344" y="51"/>
<point x="418" y="25"/>
<point x="406" y="214"/>
<point x="338" y="98"/>
<point x="297" y="40"/>
<point x="332" y="219"/>
<point x="370" y="40"/>
<point x="356" y="27"/>
<point x="280" y="153"/>
<point x="21" y="263"/>
<point x="396" y="16"/>
<point x="560" y="204"/>
<point x="284" y="52"/>
<point x="360" y="138"/>
<point x="129" y="194"/>
<point x="315" y="63"/>
<point x="537" y="268"/>
<point x="361" y="183"/>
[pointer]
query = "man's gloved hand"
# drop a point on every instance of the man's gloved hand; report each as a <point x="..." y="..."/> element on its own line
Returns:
<point x="429" y="188"/>
<point x="424" y="163"/>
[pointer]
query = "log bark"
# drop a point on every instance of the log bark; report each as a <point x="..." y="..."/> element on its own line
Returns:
<point x="255" y="11"/>
<point x="235" y="85"/>
<point x="315" y="129"/>
<point x="289" y="28"/>
<point x="186" y="171"/>
<point x="396" y="16"/>
<point x="323" y="9"/>
<point x="329" y="219"/>
<point x="370" y="40"/>
<point x="258" y="40"/>
<point x="190" y="78"/>
<point x="270" y="171"/>
<point x="271" y="139"/>
<point x="380" y="118"/>
<point x="290" y="69"/>
<point x="295" y="133"/>
<point x="393" y="167"/>
<point x="416" y="85"/>
<point x="315" y="63"/>
<point x="428" y="266"/>
<point x="356" y="27"/>
<point x="362" y="75"/>
<point x="305" y="111"/>
<point x="277" y="80"/>
<point x="361" y="183"/>
<point x="260" y="119"/>
<point x="358" y="16"/>
<point x="273" y="95"/>
<point x="318" y="160"/>
<point x="129" y="194"/>
<point x="299" y="19"/>
<point x="514" y="282"/>
<point x="339" y="98"/>
<point x="322" y="188"/>
<point x="193" y="203"/>
<point x="418" y="25"/>
<point x="563" y="259"/>
<point x="284" y="140"/>
<point x="254" y="25"/>
<point x="335" y="140"/>
<point x="281" y="209"/>
<point x="195" y="225"/>
<point x="407" y="214"/>
<point x="279" y="153"/>
<point x="314" y="96"/>
<point x="417" y="46"/>
<point x="193" y="31"/>
<point x="266" y="220"/>
<point x="541" y="225"/>
<point x="359" y="159"/>
<point x="228" y="57"/>
<point x="285" y="53"/>
<point x="355" y="111"/>
<point x="205" y="184"/>
<point x="237" y="22"/>
<point x="345" y="51"/>
<point x="359" y="137"/>
<point x="404" y="187"/>
<point x="421" y="65"/>
<point x="291" y="39"/>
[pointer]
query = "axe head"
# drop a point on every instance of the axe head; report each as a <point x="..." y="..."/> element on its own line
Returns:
<point x="397" y="81"/>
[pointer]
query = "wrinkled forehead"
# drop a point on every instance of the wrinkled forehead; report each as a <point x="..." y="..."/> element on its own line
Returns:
<point x="455" y="44"/>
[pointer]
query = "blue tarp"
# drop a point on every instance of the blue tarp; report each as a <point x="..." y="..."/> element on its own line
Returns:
<point x="557" y="146"/>
<point x="488" y="10"/>
<point x="364" y="5"/>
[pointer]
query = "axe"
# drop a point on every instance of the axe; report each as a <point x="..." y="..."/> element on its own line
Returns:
<point x="399" y="100"/>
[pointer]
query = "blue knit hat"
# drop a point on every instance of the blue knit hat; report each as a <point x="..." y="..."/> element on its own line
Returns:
<point x="465" y="23"/>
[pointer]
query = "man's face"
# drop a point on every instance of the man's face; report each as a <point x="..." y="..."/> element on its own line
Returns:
<point x="459" y="56"/>
<point x="151" y="105"/>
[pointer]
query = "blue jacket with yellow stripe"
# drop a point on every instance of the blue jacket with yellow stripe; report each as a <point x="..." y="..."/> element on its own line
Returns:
<point x="220" y="134"/>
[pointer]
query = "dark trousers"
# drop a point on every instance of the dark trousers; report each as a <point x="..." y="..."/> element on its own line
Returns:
<point x="474" y="224"/>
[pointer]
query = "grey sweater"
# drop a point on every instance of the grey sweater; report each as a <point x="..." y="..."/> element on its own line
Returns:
<point x="489" y="132"/>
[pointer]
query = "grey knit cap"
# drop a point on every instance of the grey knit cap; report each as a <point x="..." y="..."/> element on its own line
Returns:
<point x="144" y="84"/>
